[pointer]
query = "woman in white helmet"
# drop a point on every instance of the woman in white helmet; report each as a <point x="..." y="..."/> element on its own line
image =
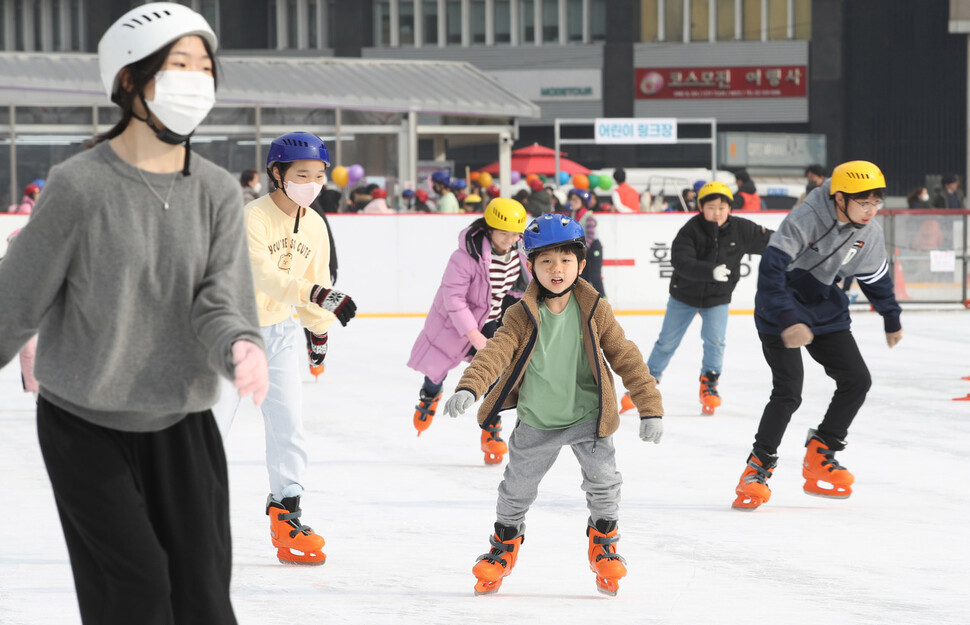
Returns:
<point x="134" y="268"/>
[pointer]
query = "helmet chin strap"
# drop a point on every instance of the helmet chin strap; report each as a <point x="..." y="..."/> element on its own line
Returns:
<point x="545" y="293"/>
<point x="845" y="211"/>
<point x="165" y="135"/>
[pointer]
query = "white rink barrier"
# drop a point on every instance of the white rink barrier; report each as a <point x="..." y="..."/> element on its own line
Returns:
<point x="392" y="264"/>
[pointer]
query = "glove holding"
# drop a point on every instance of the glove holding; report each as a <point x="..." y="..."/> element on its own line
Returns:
<point x="317" y="348"/>
<point x="721" y="273"/>
<point x="892" y="338"/>
<point x="651" y="429"/>
<point x="798" y="335"/>
<point x="459" y="402"/>
<point x="477" y="339"/>
<point x="340" y="304"/>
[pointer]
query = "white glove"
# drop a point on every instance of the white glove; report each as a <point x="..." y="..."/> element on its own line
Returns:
<point x="721" y="273"/>
<point x="651" y="429"/>
<point x="459" y="402"/>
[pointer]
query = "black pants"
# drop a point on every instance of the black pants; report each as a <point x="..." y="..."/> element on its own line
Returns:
<point x="839" y="355"/>
<point x="145" y="518"/>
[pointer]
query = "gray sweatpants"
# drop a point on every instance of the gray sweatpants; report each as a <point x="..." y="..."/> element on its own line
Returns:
<point x="532" y="452"/>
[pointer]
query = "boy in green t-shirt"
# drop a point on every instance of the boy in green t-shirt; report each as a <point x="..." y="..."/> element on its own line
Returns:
<point x="549" y="362"/>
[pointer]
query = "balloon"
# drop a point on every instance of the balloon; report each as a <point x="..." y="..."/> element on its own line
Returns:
<point x="606" y="183"/>
<point x="514" y="176"/>
<point x="593" y="180"/>
<point x="563" y="177"/>
<point x="340" y="176"/>
<point x="531" y="177"/>
<point x="580" y="181"/>
<point x="355" y="173"/>
<point x="474" y="176"/>
<point x="485" y="179"/>
<point x="542" y="177"/>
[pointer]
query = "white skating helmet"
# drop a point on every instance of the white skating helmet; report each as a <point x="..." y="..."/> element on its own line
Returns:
<point x="143" y="31"/>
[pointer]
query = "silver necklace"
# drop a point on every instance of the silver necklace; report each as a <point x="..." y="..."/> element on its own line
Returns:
<point x="154" y="192"/>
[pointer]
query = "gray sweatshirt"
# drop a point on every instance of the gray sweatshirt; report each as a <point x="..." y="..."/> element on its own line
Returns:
<point x="137" y="307"/>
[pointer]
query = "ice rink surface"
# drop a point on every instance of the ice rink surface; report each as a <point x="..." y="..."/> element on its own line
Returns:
<point x="405" y="517"/>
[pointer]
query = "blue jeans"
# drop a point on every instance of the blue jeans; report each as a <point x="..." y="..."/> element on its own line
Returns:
<point x="676" y="321"/>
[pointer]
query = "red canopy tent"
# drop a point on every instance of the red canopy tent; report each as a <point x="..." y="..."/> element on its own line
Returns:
<point x="538" y="159"/>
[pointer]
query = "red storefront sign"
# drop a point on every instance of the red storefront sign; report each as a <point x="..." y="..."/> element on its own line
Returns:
<point x="766" y="81"/>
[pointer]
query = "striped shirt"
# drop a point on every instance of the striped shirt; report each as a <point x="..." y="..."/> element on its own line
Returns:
<point x="502" y="274"/>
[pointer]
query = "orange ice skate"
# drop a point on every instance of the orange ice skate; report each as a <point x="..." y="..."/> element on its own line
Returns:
<point x="752" y="489"/>
<point x="492" y="567"/>
<point x="608" y="565"/>
<point x="626" y="403"/>
<point x="295" y="543"/>
<point x="492" y="444"/>
<point x="424" y="411"/>
<point x="821" y="467"/>
<point x="317" y="371"/>
<point x="708" y="393"/>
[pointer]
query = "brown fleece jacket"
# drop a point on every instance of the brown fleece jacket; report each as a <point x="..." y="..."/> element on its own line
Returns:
<point x="504" y="359"/>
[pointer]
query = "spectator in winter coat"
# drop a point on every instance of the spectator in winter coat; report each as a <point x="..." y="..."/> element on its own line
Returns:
<point x="625" y="198"/>
<point x="593" y="272"/>
<point x="747" y="198"/>
<point x="487" y="266"/>
<point x="539" y="201"/>
<point x="26" y="205"/>
<point x="949" y="195"/>
<point x="251" y="186"/>
<point x="706" y="255"/>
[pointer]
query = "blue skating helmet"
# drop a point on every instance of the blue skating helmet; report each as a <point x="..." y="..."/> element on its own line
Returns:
<point x="552" y="230"/>
<point x="295" y="146"/>
<point x="582" y="194"/>
<point x="441" y="176"/>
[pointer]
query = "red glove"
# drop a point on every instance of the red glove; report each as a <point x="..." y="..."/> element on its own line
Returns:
<point x="316" y="348"/>
<point x="340" y="304"/>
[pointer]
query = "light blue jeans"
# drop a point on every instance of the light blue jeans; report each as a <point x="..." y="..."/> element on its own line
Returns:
<point x="676" y="321"/>
<point x="286" y="456"/>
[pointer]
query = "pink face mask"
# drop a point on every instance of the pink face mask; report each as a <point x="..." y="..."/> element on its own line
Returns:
<point x="303" y="194"/>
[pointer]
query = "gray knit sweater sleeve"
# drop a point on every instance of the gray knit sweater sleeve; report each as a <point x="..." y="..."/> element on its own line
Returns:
<point x="136" y="306"/>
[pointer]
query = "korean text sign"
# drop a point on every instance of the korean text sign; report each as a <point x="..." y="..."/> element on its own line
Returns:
<point x="635" y="130"/>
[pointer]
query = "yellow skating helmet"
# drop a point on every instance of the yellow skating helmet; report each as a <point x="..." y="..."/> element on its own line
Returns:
<point x="856" y="177"/>
<point x="714" y="188"/>
<point x="505" y="214"/>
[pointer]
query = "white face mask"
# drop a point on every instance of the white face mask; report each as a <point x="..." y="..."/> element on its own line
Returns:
<point x="924" y="196"/>
<point x="303" y="194"/>
<point x="182" y="99"/>
<point x="257" y="187"/>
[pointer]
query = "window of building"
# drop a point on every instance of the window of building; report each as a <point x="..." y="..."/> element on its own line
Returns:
<point x="550" y="21"/>
<point x="673" y="20"/>
<point x="649" y="20"/>
<point x="477" y="24"/>
<point x="725" y="20"/>
<point x="453" y="22"/>
<point x="292" y="24"/>
<point x="778" y="19"/>
<point x="527" y="18"/>
<point x="700" y="13"/>
<point x="597" y="20"/>
<point x="313" y="30"/>
<point x="803" y="19"/>
<point x="574" y="21"/>
<point x="751" y="20"/>
<point x="503" y="21"/>
<point x="430" y="15"/>
<point x="406" y="20"/>
<point x="383" y="34"/>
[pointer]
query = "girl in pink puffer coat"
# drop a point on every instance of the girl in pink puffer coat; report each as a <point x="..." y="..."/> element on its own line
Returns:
<point x="485" y="275"/>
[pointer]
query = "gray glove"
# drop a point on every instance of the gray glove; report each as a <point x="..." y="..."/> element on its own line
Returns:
<point x="651" y="429"/>
<point x="721" y="273"/>
<point x="459" y="402"/>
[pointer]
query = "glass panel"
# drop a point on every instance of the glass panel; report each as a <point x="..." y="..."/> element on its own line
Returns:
<point x="574" y="21"/>
<point x="18" y="20"/>
<point x="271" y="25"/>
<point x="550" y="21"/>
<point x="527" y="20"/>
<point x="752" y="20"/>
<point x="38" y="27"/>
<point x="210" y="11"/>
<point x="292" y="24"/>
<point x="648" y="20"/>
<point x="777" y="19"/>
<point x="597" y="20"/>
<point x="674" y="21"/>
<point x="454" y="23"/>
<point x="503" y="21"/>
<point x="313" y="41"/>
<point x="699" y="15"/>
<point x="383" y="24"/>
<point x="329" y="24"/>
<point x="725" y="20"/>
<point x="803" y="19"/>
<point x="430" y="11"/>
<point x="407" y="24"/>
<point x="478" y="21"/>
<point x="56" y="24"/>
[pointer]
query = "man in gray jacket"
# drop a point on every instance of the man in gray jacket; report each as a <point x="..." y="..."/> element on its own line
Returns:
<point x="831" y="236"/>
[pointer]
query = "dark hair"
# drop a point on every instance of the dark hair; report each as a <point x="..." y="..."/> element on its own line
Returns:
<point x="619" y="174"/>
<point x="914" y="195"/>
<point x="861" y="195"/>
<point x="282" y="167"/>
<point x="139" y="74"/>
<point x="247" y="176"/>
<point x="576" y="248"/>
<point x="521" y="196"/>
<point x="816" y="170"/>
<point x="742" y="175"/>
<point x="950" y="178"/>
